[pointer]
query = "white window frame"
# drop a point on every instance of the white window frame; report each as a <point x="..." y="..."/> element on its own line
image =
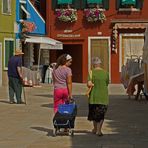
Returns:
<point x="22" y="1"/>
<point x="121" y="35"/>
<point x="129" y="9"/>
<point x="1" y="64"/>
<point x="27" y="13"/>
<point x="7" y="39"/>
<point x="89" y="51"/>
<point x="9" y="12"/>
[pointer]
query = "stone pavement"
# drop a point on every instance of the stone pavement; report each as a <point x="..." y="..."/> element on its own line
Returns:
<point x="30" y="126"/>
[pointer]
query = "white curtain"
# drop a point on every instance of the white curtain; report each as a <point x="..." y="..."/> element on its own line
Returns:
<point x="132" y="47"/>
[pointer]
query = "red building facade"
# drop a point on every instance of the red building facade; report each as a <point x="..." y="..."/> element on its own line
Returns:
<point x="117" y="35"/>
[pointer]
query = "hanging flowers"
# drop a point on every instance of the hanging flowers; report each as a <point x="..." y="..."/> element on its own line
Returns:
<point x="94" y="15"/>
<point x="67" y="15"/>
<point x="27" y="26"/>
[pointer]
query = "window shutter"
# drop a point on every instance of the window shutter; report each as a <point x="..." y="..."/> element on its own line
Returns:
<point x="106" y="4"/>
<point x="130" y="2"/>
<point x="76" y="4"/>
<point x="83" y="4"/>
<point x="94" y="1"/>
<point x="9" y="49"/>
<point x="64" y="1"/>
<point x="139" y="4"/>
<point x="6" y="53"/>
<point x="54" y="4"/>
<point x="118" y="2"/>
<point x="5" y="6"/>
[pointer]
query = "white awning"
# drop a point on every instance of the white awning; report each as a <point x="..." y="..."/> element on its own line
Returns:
<point x="45" y="42"/>
<point x="58" y="45"/>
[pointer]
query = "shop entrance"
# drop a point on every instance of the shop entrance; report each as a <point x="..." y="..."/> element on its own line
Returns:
<point x="76" y="52"/>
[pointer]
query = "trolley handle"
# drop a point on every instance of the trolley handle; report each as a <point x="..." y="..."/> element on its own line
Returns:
<point x="70" y="101"/>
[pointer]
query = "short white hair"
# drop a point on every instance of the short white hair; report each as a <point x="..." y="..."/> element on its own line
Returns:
<point x="96" y="60"/>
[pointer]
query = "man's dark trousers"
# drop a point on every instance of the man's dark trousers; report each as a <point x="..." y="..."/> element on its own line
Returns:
<point x="15" y="88"/>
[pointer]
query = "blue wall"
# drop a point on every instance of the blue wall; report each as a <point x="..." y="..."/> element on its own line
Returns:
<point x="34" y="17"/>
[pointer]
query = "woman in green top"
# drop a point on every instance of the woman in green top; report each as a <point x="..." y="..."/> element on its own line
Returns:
<point x="98" y="79"/>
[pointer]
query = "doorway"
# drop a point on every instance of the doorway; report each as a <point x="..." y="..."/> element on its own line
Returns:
<point x="75" y="51"/>
<point x="0" y="64"/>
<point x="99" y="46"/>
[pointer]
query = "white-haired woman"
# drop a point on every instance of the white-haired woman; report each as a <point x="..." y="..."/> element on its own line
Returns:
<point x="98" y="79"/>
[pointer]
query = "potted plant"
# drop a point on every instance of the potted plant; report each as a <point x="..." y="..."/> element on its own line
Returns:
<point x="67" y="15"/>
<point x="94" y="15"/>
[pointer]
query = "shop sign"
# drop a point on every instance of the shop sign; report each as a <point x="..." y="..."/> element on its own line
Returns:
<point x="69" y="35"/>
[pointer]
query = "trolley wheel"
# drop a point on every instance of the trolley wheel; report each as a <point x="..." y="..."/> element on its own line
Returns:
<point x="54" y="132"/>
<point x="71" y="133"/>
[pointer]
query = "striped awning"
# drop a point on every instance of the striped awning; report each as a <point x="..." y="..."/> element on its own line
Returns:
<point x="94" y="1"/>
<point x="128" y="2"/>
<point x="131" y="25"/>
<point x="64" y="1"/>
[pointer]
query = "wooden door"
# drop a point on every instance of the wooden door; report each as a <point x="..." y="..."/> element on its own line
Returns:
<point x="100" y="47"/>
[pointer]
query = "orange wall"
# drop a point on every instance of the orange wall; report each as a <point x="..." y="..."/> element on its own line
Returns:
<point x="85" y="29"/>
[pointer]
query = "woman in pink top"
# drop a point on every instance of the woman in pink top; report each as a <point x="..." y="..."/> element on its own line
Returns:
<point x="62" y="80"/>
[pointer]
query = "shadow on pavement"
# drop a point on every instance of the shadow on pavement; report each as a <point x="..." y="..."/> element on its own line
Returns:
<point x="44" y="95"/>
<point x="47" y="105"/>
<point x="4" y="101"/>
<point x="43" y="129"/>
<point x="124" y="123"/>
<point x="81" y="102"/>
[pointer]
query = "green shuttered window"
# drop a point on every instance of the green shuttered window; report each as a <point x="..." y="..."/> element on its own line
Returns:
<point x="94" y="1"/>
<point x="123" y="3"/>
<point x="128" y="2"/>
<point x="64" y="1"/>
<point x="9" y="50"/>
<point x="79" y="4"/>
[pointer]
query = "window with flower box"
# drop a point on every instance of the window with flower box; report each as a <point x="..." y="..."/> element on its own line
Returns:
<point x="128" y="4"/>
<point x="94" y="11"/>
<point x="66" y="10"/>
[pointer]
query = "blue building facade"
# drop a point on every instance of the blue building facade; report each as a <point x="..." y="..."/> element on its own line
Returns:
<point x="27" y="15"/>
<point x="31" y="33"/>
<point x="30" y="23"/>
